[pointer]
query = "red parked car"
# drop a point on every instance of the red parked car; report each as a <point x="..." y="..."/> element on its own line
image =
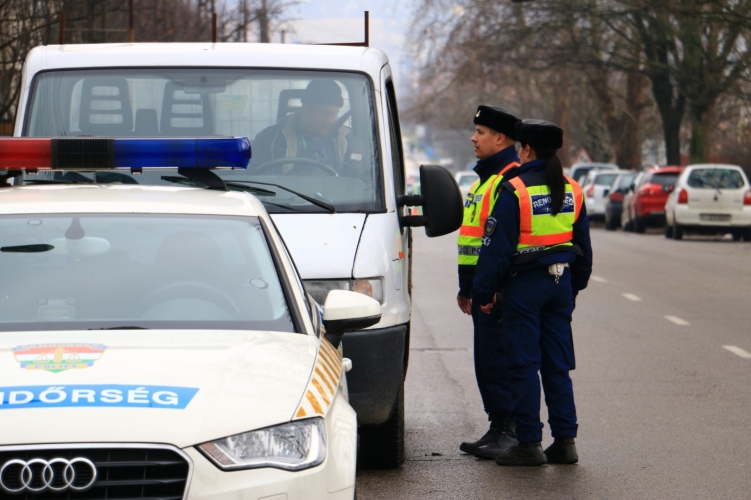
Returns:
<point x="644" y="204"/>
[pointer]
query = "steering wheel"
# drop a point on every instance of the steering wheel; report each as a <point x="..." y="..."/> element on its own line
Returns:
<point x="192" y="289"/>
<point x="294" y="159"/>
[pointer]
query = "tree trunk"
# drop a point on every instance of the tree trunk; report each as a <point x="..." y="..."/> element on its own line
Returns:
<point x="263" y="20"/>
<point x="701" y="116"/>
<point x="629" y="147"/>
<point x="562" y="115"/>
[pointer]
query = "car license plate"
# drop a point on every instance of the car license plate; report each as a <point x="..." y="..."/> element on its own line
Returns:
<point x="715" y="217"/>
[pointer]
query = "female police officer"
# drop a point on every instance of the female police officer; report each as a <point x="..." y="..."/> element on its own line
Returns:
<point x="536" y="249"/>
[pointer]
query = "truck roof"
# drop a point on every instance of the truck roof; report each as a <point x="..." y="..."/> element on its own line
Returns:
<point x="113" y="198"/>
<point x="227" y="55"/>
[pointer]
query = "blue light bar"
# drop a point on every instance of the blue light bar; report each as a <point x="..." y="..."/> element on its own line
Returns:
<point x="193" y="152"/>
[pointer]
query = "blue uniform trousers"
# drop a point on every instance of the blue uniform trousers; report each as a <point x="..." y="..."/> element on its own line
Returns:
<point x="490" y="361"/>
<point x="537" y="334"/>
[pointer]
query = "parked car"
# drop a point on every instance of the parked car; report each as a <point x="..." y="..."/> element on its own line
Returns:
<point x="596" y="186"/>
<point x="579" y="171"/>
<point x="465" y="179"/>
<point x="710" y="199"/>
<point x="644" y="204"/>
<point x="614" y="202"/>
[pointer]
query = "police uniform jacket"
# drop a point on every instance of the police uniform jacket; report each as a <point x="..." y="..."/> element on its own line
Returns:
<point x="486" y="168"/>
<point x="498" y="255"/>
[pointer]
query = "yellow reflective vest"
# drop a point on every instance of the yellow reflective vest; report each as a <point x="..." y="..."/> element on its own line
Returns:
<point x="539" y="229"/>
<point x="477" y="208"/>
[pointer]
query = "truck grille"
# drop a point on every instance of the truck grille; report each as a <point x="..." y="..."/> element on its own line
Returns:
<point x="122" y="473"/>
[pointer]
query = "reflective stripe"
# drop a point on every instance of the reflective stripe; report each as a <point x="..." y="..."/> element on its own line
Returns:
<point x="543" y="231"/>
<point x="476" y="226"/>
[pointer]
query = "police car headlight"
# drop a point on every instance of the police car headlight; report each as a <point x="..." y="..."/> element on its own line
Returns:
<point x="319" y="289"/>
<point x="293" y="446"/>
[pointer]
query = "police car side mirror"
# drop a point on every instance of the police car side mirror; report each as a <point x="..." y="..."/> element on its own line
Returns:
<point x="441" y="201"/>
<point x="346" y="311"/>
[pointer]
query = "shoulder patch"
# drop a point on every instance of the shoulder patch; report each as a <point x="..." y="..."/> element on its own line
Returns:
<point x="490" y="226"/>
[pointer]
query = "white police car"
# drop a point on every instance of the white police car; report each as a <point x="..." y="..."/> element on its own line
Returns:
<point x="156" y="342"/>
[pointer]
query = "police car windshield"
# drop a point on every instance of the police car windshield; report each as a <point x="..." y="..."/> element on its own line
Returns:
<point x="78" y="272"/>
<point x="313" y="132"/>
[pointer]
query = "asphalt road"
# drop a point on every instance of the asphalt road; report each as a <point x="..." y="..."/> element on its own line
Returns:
<point x="663" y="407"/>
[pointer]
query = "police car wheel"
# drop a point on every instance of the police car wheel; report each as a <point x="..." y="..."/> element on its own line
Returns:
<point x="382" y="446"/>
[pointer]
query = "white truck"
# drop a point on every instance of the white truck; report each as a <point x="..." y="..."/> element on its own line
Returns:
<point x="327" y="163"/>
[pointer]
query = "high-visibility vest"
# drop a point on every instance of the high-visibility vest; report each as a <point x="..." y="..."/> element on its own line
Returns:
<point x="477" y="208"/>
<point x="539" y="229"/>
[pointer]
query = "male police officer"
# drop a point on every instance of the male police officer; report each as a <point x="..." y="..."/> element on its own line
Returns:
<point x="314" y="132"/>
<point x="494" y="141"/>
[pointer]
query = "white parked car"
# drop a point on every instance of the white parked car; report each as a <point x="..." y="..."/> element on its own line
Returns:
<point x="156" y="342"/>
<point x="710" y="199"/>
<point x="466" y="179"/>
<point x="596" y="187"/>
<point x="579" y="171"/>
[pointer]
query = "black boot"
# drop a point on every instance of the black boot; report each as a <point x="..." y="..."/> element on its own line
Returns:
<point x="522" y="454"/>
<point x="562" y="451"/>
<point x="471" y="447"/>
<point x="505" y="437"/>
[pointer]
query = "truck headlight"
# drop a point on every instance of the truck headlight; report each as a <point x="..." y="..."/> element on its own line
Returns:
<point x="319" y="289"/>
<point x="294" y="446"/>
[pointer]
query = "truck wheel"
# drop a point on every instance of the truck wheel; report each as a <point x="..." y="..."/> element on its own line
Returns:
<point x="382" y="446"/>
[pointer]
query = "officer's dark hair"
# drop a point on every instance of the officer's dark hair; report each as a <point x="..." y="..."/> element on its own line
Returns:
<point x="553" y="177"/>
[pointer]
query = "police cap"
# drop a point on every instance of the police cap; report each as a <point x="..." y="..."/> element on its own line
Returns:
<point x="498" y="119"/>
<point x="539" y="134"/>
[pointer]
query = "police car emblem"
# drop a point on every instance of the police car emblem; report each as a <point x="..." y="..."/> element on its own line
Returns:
<point x="490" y="226"/>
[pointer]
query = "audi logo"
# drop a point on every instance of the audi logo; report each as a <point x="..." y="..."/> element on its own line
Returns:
<point x="38" y="475"/>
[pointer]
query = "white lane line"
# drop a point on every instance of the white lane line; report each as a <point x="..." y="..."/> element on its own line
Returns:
<point x="631" y="296"/>
<point x="677" y="320"/>
<point x="737" y="350"/>
<point x="598" y="279"/>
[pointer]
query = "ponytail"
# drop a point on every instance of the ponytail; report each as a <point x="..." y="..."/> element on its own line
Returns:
<point x="553" y="177"/>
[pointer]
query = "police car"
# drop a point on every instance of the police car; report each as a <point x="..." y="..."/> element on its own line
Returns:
<point x="156" y="341"/>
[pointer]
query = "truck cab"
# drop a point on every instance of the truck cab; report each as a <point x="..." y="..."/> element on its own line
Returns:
<point x="327" y="164"/>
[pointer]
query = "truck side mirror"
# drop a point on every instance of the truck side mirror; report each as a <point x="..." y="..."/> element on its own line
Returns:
<point x="346" y="311"/>
<point x="441" y="202"/>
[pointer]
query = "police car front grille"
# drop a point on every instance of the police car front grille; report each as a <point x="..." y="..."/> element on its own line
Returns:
<point x="127" y="473"/>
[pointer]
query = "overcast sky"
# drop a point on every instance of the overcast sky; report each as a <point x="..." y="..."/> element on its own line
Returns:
<point x="329" y="21"/>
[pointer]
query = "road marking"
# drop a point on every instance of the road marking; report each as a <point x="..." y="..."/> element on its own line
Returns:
<point x="677" y="320"/>
<point x="598" y="279"/>
<point x="631" y="296"/>
<point x="737" y="350"/>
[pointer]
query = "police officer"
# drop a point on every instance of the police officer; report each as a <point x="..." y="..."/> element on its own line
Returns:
<point x="494" y="142"/>
<point x="536" y="244"/>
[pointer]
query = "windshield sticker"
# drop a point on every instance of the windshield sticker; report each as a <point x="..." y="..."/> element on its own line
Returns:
<point x="129" y="396"/>
<point x="57" y="358"/>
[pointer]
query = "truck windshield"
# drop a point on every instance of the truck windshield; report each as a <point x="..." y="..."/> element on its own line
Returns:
<point x="119" y="271"/>
<point x="313" y="132"/>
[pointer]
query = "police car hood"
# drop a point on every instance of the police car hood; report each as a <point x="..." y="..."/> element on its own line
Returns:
<point x="148" y="386"/>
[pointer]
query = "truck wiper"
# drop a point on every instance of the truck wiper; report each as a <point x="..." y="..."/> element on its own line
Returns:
<point x="126" y="327"/>
<point x="194" y="183"/>
<point x="34" y="248"/>
<point x="326" y="206"/>
<point x="55" y="181"/>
